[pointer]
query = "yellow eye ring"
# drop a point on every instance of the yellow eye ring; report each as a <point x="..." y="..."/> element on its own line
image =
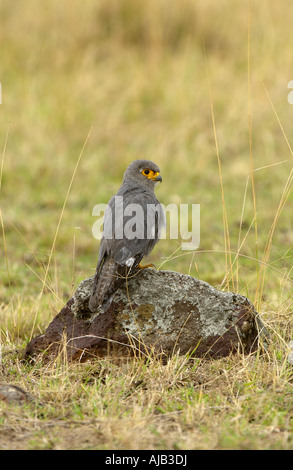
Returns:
<point x="147" y="172"/>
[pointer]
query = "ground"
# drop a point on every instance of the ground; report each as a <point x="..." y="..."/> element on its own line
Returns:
<point x="201" y="89"/>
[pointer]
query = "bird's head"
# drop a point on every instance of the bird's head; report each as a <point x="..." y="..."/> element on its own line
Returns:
<point x="144" y="172"/>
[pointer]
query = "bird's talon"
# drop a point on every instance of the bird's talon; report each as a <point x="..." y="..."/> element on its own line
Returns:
<point x="146" y="266"/>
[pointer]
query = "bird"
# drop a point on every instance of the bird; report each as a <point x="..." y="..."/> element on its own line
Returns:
<point x="126" y="238"/>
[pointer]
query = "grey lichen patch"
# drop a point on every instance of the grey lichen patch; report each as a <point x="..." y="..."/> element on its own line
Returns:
<point x="81" y="298"/>
<point x="215" y="309"/>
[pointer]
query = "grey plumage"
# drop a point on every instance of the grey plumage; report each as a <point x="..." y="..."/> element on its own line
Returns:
<point x="127" y="238"/>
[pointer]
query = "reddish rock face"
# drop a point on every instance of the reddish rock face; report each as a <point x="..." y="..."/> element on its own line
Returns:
<point x="155" y="312"/>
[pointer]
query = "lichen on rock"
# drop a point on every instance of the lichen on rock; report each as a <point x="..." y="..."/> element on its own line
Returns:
<point x="163" y="311"/>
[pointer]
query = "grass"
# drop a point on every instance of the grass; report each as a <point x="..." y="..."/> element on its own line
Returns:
<point x="202" y="90"/>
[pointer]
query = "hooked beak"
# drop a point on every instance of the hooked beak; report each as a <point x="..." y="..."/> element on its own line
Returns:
<point x="157" y="177"/>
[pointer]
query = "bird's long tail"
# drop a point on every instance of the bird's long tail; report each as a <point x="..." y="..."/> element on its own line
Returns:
<point x="103" y="283"/>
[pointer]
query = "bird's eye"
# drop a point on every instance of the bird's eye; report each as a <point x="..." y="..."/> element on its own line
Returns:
<point x="146" y="172"/>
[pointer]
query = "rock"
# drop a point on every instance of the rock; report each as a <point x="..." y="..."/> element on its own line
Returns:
<point x="159" y="312"/>
<point x="14" y="394"/>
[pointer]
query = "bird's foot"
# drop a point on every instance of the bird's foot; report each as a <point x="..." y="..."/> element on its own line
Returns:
<point x="139" y="266"/>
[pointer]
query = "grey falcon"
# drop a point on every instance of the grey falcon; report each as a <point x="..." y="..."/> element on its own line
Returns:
<point x="127" y="239"/>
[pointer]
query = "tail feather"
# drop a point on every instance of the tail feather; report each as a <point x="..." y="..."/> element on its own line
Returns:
<point x="109" y="277"/>
<point x="102" y="284"/>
